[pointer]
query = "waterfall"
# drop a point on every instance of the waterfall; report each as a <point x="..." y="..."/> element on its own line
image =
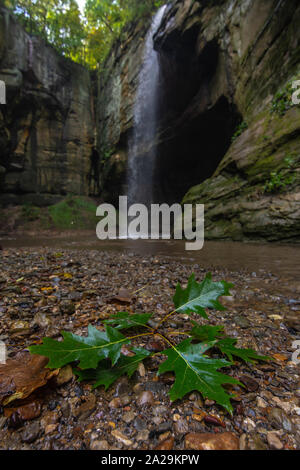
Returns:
<point x="142" y="145"/>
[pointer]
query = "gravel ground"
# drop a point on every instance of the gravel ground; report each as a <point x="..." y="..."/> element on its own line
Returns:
<point x="43" y="291"/>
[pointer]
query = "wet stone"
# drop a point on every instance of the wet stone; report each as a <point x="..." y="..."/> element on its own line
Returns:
<point x="139" y="424"/>
<point x="181" y="426"/>
<point x="145" y="399"/>
<point x="274" y="441"/>
<point x="280" y="420"/>
<point x="242" y="322"/>
<point x="99" y="445"/>
<point x="211" y="441"/>
<point x="31" y="433"/>
<point x="128" y="417"/>
<point x="154" y="387"/>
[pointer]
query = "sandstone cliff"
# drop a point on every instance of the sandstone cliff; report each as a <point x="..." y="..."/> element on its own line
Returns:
<point x="47" y="125"/>
<point x="228" y="135"/>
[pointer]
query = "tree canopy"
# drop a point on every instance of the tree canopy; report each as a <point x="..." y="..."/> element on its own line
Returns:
<point x="86" y="38"/>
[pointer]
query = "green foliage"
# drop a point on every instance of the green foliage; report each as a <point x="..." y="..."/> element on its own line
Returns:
<point x="278" y="182"/>
<point x="106" y="375"/>
<point x="197" y="297"/>
<point x="239" y="130"/>
<point x="282" y="101"/>
<point x="195" y="371"/>
<point x="102" y="361"/>
<point x="206" y="332"/>
<point x="125" y="320"/>
<point x="30" y="212"/>
<point x="106" y="153"/>
<point x="88" y="350"/>
<point x="73" y="213"/>
<point x="87" y="39"/>
<point x="228" y="347"/>
<point x="57" y="21"/>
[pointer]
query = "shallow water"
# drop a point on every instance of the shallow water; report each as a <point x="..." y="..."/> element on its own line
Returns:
<point x="281" y="260"/>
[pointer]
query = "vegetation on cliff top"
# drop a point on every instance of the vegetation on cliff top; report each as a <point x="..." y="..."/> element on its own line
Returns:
<point x="87" y="38"/>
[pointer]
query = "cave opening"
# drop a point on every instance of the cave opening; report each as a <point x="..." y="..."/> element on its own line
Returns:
<point x="195" y="128"/>
<point x="192" y="155"/>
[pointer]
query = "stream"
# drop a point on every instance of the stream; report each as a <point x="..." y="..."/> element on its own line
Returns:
<point x="281" y="260"/>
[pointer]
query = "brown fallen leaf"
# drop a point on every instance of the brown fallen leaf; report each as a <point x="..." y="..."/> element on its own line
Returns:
<point x="21" y="375"/>
<point x="280" y="357"/>
<point x="124" y="297"/>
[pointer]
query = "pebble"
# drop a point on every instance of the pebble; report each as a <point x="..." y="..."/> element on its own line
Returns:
<point x="128" y="417"/>
<point x="67" y="307"/>
<point x="154" y="387"/>
<point x="181" y="426"/>
<point x="274" y="442"/>
<point x="3" y="420"/>
<point x="160" y="410"/>
<point x="261" y="403"/>
<point x="145" y="399"/>
<point x="99" y="445"/>
<point x="250" y="383"/>
<point x="41" y="320"/>
<point x="139" y="424"/>
<point x="31" y="433"/>
<point x="19" y="326"/>
<point x="167" y="444"/>
<point x="210" y="441"/>
<point x="87" y="407"/>
<point x="280" y="420"/>
<point x="122" y="387"/>
<point x="143" y="435"/>
<point x="50" y="428"/>
<point x="121" y="438"/>
<point x="115" y="403"/>
<point x="242" y="322"/>
<point x="64" y="376"/>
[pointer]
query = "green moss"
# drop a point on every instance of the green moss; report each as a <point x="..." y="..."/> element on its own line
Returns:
<point x="279" y="181"/>
<point x="282" y="101"/>
<point x="73" y="213"/>
<point x="30" y="212"/>
<point x="239" y="130"/>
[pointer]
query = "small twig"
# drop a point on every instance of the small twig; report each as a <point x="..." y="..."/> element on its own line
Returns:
<point x="135" y="292"/>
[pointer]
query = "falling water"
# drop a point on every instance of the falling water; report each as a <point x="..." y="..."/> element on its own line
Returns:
<point x="142" y="145"/>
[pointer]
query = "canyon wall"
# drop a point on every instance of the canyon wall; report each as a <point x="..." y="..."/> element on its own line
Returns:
<point x="47" y="125"/>
<point x="228" y="134"/>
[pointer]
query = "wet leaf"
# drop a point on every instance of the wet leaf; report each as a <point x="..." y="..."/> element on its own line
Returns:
<point x="199" y="296"/>
<point x="195" y="371"/>
<point x="106" y="375"/>
<point x="206" y="332"/>
<point x="23" y="374"/>
<point x="123" y="297"/>
<point x="227" y="347"/>
<point x="89" y="350"/>
<point x="125" y="320"/>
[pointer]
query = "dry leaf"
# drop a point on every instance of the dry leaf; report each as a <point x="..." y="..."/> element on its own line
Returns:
<point x="23" y="374"/>
<point x="124" y="297"/>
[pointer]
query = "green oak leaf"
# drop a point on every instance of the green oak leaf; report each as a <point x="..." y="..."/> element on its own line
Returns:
<point x="227" y="347"/>
<point x="89" y="350"/>
<point x="206" y="332"/>
<point x="195" y="371"/>
<point x="199" y="296"/>
<point x="125" y="320"/>
<point x="106" y="375"/>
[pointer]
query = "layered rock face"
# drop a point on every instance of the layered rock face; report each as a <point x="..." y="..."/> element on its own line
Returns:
<point x="47" y="125"/>
<point x="228" y="135"/>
